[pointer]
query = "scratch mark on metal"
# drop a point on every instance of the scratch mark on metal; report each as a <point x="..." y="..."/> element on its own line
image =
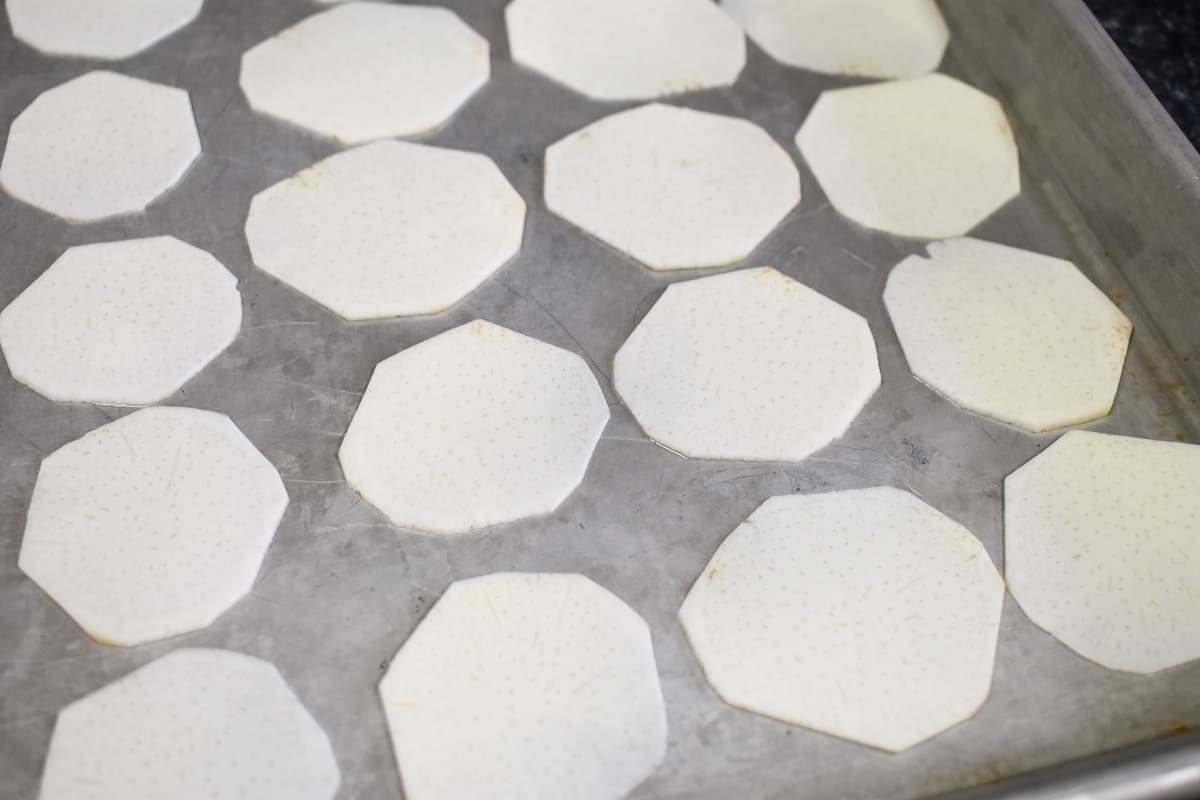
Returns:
<point x="860" y="260"/>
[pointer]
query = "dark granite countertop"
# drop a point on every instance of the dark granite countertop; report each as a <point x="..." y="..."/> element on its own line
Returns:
<point x="1162" y="40"/>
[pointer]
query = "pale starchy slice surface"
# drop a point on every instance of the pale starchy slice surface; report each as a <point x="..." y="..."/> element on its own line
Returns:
<point x="99" y="145"/>
<point x="121" y="323"/>
<point x="152" y="525"/>
<point x="672" y="187"/>
<point x="196" y="723"/>
<point x="1101" y="543"/>
<point x="107" y="29"/>
<point x="926" y="157"/>
<point x="749" y="365"/>
<point x="627" y="49"/>
<point x="477" y="426"/>
<point x="1016" y="336"/>
<point x="525" y="685"/>
<point x="367" y="70"/>
<point x="388" y="229"/>
<point x="866" y="38"/>
<point x="863" y="614"/>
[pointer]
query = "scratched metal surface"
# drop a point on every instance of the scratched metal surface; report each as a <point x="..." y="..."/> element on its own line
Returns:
<point x="341" y="589"/>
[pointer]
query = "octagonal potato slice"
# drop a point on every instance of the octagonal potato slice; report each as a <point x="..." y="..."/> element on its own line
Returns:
<point x="749" y="365"/>
<point x="121" y="323"/>
<point x="1017" y="336"/>
<point x="1101" y="542"/>
<point x="866" y="38"/>
<point x="477" y="426"/>
<point x="627" y="49"/>
<point x="863" y="614"/>
<point x="195" y="723"/>
<point x="97" y="28"/>
<point x="525" y="685"/>
<point x="927" y="157"/>
<point x="152" y="525"/>
<point x="388" y="229"/>
<point x="672" y="187"/>
<point x="367" y="70"/>
<point x="98" y="146"/>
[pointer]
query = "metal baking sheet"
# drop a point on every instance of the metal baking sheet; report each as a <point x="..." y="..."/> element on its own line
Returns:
<point x="1107" y="182"/>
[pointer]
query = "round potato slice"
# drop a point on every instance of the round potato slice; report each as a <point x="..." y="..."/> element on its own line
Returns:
<point x="750" y="365"/>
<point x="196" y="723"/>
<point x="864" y="614"/>
<point x="475" y="427"/>
<point x="1101" y="542"/>
<point x="627" y="49"/>
<point x="866" y="38"/>
<point x="1016" y="336"/>
<point x="672" y="187"/>
<point x="388" y="229"/>
<point x="367" y="70"/>
<point x="99" y="146"/>
<point x="525" y="685"/>
<point x="927" y="157"/>
<point x="121" y="323"/>
<point x="97" y="28"/>
<point x="153" y="525"/>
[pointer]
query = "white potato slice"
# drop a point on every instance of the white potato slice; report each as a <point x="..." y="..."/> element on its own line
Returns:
<point x="749" y="365"/>
<point x="1013" y="335"/>
<point x="927" y="157"/>
<point x="109" y="29"/>
<point x="1101" y="543"/>
<point x="525" y="685"/>
<point x="866" y="38"/>
<point x="122" y="323"/>
<point x="195" y="724"/>
<point x="366" y="70"/>
<point x="627" y="49"/>
<point x="100" y="145"/>
<point x="388" y="229"/>
<point x="672" y="187"/>
<point x="863" y="614"/>
<point x="477" y="426"/>
<point x="153" y="525"/>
